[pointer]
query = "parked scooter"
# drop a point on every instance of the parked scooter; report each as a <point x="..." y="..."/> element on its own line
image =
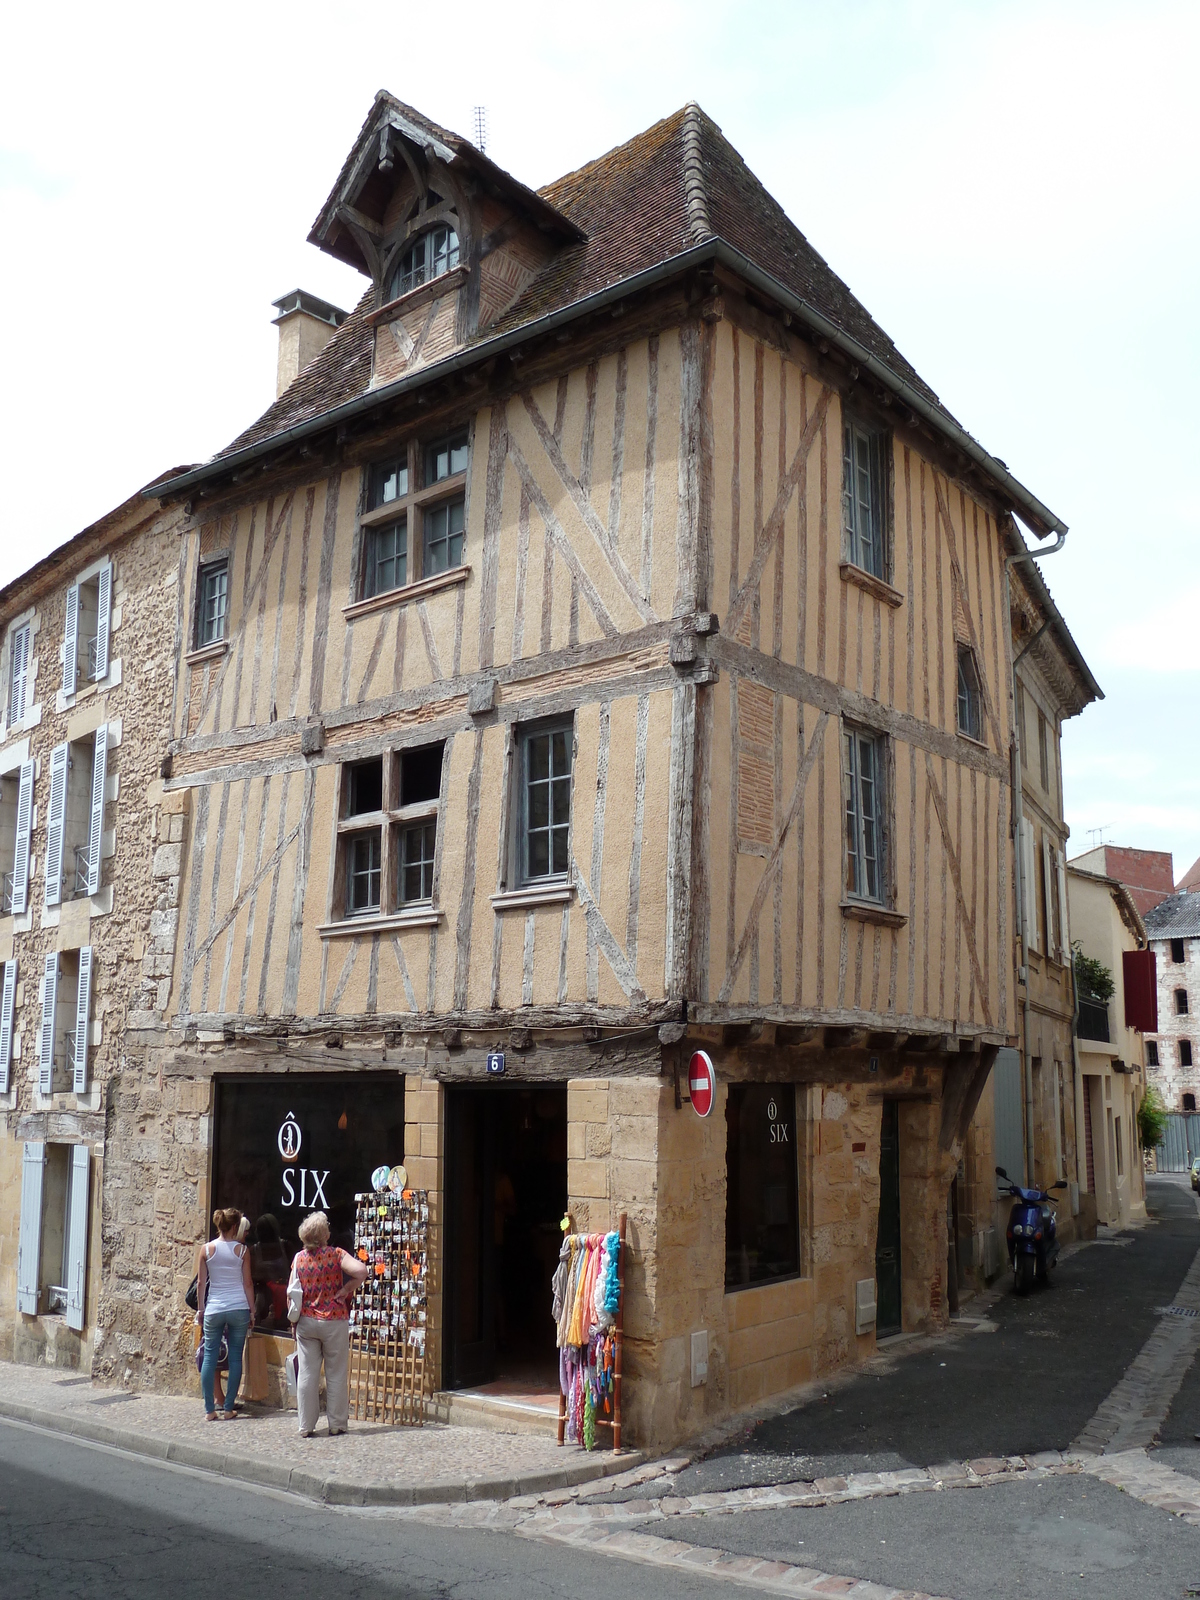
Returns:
<point x="1032" y="1233"/>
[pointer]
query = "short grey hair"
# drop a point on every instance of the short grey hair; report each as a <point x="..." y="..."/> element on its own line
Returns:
<point x="314" y="1230"/>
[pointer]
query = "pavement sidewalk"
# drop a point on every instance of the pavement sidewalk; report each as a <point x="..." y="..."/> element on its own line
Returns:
<point x="371" y="1465"/>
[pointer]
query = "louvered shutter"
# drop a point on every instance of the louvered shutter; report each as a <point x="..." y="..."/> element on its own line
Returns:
<point x="1048" y="889"/>
<point x="29" y="1247"/>
<point x="46" y="1037"/>
<point x="103" y="617"/>
<point x="83" y="1006"/>
<point x="71" y="639"/>
<point x="96" y="834"/>
<point x="1032" y="933"/>
<point x="55" y="823"/>
<point x="77" y="1235"/>
<point x="20" y="674"/>
<point x="1064" y="921"/>
<point x="8" y="995"/>
<point x="20" y="879"/>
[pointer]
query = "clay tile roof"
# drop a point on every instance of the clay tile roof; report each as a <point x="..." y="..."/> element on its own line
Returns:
<point x="673" y="186"/>
<point x="1176" y="917"/>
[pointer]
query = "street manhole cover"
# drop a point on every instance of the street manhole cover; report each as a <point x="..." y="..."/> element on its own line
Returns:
<point x="1176" y="1311"/>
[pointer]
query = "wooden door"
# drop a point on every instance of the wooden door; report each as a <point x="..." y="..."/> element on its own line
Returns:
<point x="887" y="1245"/>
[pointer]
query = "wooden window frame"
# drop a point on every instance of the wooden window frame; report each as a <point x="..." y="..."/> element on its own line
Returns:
<point x="856" y="428"/>
<point x="204" y="571"/>
<point x="395" y="289"/>
<point x="420" y="499"/>
<point x="522" y="879"/>
<point x="970" y="680"/>
<point x="390" y="823"/>
<point x="857" y="895"/>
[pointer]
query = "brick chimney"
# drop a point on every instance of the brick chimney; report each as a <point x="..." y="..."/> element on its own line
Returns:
<point x="306" y="326"/>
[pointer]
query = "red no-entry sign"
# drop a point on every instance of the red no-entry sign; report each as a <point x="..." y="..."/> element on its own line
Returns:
<point x="702" y="1083"/>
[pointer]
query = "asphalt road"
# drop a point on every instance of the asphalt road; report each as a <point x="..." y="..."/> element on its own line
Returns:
<point x="1030" y="1385"/>
<point x="1057" y="1539"/>
<point x="78" y="1521"/>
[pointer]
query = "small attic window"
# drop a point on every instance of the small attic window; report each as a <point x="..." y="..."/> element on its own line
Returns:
<point x="428" y="257"/>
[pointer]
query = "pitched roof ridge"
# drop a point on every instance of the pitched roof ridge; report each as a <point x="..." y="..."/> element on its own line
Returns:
<point x="694" y="187"/>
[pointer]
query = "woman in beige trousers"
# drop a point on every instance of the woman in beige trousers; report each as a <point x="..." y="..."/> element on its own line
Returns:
<point x="323" y="1330"/>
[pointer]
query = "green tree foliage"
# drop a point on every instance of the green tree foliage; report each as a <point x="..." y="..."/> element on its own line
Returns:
<point x="1093" y="979"/>
<point x="1152" y="1119"/>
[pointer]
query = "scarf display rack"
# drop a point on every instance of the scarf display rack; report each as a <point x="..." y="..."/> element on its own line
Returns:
<point x="589" y="1309"/>
<point x="389" y="1313"/>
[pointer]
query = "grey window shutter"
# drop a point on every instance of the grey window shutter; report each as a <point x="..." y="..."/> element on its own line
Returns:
<point x="1032" y="933"/>
<point x="83" y="1005"/>
<point x="77" y="1235"/>
<point x="96" y="835"/>
<point x="1064" y="921"/>
<point x="55" y="823"/>
<point x="71" y="639"/>
<point x="20" y="882"/>
<point x="46" y="1038"/>
<point x="103" y="618"/>
<point x="20" y="674"/>
<point x="29" y="1247"/>
<point x="8" y="995"/>
<point x="1048" y="889"/>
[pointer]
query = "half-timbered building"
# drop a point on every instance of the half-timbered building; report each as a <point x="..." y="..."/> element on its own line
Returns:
<point x="596" y="654"/>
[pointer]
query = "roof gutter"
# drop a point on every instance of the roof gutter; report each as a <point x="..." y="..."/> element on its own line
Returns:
<point x="710" y="249"/>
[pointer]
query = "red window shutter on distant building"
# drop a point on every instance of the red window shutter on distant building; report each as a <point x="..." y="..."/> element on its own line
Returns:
<point x="1141" y="990"/>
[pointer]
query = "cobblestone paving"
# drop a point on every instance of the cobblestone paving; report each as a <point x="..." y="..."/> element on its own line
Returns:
<point x="433" y="1462"/>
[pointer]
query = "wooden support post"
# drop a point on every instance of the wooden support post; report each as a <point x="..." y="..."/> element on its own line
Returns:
<point x="620" y="1339"/>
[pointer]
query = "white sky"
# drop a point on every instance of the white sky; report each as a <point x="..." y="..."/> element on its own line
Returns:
<point x="1011" y="188"/>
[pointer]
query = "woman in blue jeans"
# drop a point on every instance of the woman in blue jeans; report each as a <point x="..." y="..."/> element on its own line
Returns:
<point x="224" y="1307"/>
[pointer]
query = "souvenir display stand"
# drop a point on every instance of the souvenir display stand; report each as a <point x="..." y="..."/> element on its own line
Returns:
<point x="590" y="1369"/>
<point x="388" y="1314"/>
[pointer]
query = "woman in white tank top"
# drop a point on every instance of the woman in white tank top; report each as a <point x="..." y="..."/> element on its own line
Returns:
<point x="224" y="1307"/>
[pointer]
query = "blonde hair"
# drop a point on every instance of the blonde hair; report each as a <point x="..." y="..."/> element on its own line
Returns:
<point x="314" y="1230"/>
<point x="227" y="1220"/>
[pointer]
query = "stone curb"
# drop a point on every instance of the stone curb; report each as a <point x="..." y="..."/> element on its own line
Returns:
<point x="296" y="1480"/>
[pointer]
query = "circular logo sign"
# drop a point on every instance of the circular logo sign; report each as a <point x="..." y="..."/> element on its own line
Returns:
<point x="702" y="1083"/>
<point x="289" y="1138"/>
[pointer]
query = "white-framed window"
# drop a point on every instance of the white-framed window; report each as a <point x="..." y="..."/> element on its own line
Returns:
<point x="75" y="817"/>
<point x="212" y="602"/>
<point x="865" y="784"/>
<point x="20" y="647"/>
<point x="545" y="759"/>
<point x="53" y="1239"/>
<point x="431" y="255"/>
<point x="388" y="819"/>
<point x="970" y="720"/>
<point x="87" y="628"/>
<point x="415" y="521"/>
<point x="864" y="497"/>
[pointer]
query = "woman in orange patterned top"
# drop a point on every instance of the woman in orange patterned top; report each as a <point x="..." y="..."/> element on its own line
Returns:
<point x="327" y="1278"/>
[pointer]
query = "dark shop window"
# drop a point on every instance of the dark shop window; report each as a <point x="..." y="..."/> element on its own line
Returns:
<point x="762" y="1215"/>
<point x="285" y="1147"/>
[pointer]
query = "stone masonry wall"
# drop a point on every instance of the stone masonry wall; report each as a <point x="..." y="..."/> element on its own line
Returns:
<point x="136" y="696"/>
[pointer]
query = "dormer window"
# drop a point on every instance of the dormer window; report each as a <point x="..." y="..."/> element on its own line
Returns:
<point x="429" y="256"/>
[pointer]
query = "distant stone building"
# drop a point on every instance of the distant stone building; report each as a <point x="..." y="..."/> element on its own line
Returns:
<point x="1173" y="1053"/>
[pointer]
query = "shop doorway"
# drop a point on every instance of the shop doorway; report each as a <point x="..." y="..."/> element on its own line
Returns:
<point x="505" y="1194"/>
<point x="887" y="1244"/>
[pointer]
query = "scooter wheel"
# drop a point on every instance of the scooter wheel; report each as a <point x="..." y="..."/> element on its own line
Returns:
<point x="1023" y="1274"/>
